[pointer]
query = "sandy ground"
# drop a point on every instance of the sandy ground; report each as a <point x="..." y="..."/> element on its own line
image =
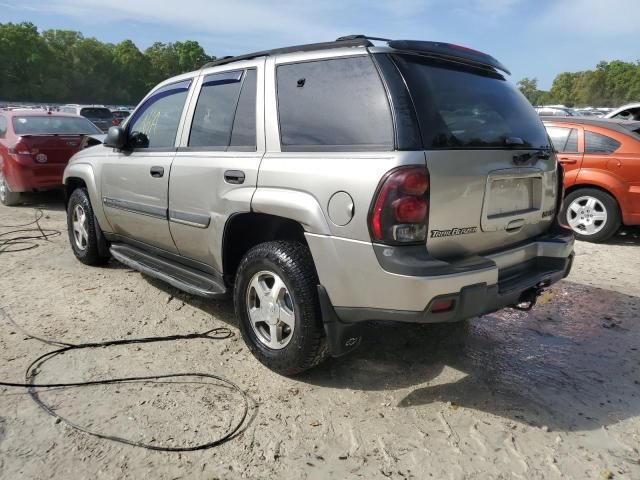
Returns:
<point x="550" y="394"/>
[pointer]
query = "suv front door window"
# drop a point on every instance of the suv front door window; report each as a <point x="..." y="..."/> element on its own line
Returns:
<point x="135" y="181"/>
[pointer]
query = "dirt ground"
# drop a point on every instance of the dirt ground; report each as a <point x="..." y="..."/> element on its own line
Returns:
<point x="554" y="393"/>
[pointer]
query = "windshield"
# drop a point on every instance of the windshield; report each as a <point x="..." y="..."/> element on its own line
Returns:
<point x="101" y="113"/>
<point x="461" y="107"/>
<point x="51" y="124"/>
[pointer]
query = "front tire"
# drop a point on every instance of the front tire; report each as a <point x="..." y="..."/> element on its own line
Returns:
<point x="592" y="214"/>
<point x="82" y="228"/>
<point x="276" y="301"/>
<point x="7" y="197"/>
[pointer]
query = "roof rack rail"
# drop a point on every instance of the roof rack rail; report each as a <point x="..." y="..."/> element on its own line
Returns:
<point x="349" y="41"/>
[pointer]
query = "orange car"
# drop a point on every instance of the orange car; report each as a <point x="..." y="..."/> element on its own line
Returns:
<point x="601" y="160"/>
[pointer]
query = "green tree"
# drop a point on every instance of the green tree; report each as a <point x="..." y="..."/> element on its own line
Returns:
<point x="529" y="88"/>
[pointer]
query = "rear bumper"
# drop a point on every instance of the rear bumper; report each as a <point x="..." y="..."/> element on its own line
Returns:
<point x="476" y="286"/>
<point x="25" y="178"/>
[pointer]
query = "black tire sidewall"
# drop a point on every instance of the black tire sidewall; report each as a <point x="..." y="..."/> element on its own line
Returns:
<point x="613" y="213"/>
<point x="285" y="259"/>
<point x="90" y="255"/>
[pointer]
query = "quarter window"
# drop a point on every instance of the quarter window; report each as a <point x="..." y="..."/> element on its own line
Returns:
<point x="155" y="124"/>
<point x="226" y="111"/>
<point x="337" y="104"/>
<point x="564" y="139"/>
<point x="3" y="126"/>
<point x="597" y="143"/>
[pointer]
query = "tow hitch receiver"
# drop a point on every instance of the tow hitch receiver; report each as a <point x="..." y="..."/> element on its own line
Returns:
<point x="533" y="296"/>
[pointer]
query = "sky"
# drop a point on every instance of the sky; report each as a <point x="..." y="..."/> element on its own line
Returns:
<point x="533" y="38"/>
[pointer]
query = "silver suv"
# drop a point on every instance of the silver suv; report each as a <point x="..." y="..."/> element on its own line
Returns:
<point x="328" y="185"/>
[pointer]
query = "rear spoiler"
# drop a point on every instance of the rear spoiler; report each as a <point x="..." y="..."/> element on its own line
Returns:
<point x="449" y="51"/>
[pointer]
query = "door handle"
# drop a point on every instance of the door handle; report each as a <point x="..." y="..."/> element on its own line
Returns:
<point x="567" y="161"/>
<point x="157" y="172"/>
<point x="235" y="177"/>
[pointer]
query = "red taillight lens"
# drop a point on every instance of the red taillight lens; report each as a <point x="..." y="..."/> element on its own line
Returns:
<point x="410" y="209"/>
<point x="20" y="148"/>
<point x="414" y="183"/>
<point x="399" y="212"/>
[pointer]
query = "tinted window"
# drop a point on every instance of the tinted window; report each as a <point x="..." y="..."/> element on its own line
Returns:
<point x="244" y="125"/>
<point x="468" y="108"/>
<point x="596" y="143"/>
<point x="53" y="124"/>
<point x="101" y="113"/>
<point x="215" y="110"/>
<point x="337" y="103"/>
<point x="564" y="139"/>
<point x="3" y="126"/>
<point x="156" y="123"/>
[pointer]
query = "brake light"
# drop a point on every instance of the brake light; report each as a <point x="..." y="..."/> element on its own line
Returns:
<point x="400" y="208"/>
<point x="20" y="148"/>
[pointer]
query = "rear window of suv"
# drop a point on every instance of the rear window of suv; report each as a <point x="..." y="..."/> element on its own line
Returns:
<point x="462" y="107"/>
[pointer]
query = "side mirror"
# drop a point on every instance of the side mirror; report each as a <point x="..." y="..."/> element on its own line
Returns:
<point x="116" y="138"/>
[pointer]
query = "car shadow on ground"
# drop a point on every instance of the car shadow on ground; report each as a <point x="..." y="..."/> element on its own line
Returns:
<point x="50" y="200"/>
<point x="572" y="364"/>
<point x="627" y="236"/>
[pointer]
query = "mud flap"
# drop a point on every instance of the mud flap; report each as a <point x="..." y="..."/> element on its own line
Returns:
<point x="342" y="338"/>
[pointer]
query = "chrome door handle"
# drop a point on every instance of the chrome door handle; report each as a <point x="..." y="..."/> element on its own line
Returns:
<point x="157" y="172"/>
<point x="235" y="177"/>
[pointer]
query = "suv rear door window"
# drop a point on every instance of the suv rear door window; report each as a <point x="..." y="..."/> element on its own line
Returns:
<point x="226" y="111"/>
<point x="338" y="104"/>
<point x="565" y="140"/>
<point x="462" y="107"/>
<point x="597" y="143"/>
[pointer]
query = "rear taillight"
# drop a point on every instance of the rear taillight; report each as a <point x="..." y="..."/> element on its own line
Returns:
<point x="400" y="208"/>
<point x="115" y="121"/>
<point x="20" y="148"/>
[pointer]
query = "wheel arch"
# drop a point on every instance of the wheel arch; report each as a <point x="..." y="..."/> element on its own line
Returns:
<point x="244" y="231"/>
<point x="81" y="175"/>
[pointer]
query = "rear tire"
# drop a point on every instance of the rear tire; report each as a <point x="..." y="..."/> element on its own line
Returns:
<point x="83" y="229"/>
<point x="276" y="300"/>
<point x="592" y="214"/>
<point x="7" y="197"/>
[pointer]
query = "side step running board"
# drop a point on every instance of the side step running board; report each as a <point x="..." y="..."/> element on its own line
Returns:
<point x="179" y="276"/>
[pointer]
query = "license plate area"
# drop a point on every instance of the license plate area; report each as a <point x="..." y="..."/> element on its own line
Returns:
<point x="512" y="199"/>
<point x="512" y="196"/>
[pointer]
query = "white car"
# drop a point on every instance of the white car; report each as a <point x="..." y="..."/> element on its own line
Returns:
<point x="630" y="111"/>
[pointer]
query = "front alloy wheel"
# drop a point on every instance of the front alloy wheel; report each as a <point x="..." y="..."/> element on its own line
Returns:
<point x="79" y="222"/>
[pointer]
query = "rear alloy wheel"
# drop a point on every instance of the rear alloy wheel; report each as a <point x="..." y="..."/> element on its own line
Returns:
<point x="276" y="300"/>
<point x="7" y="197"/>
<point x="592" y="214"/>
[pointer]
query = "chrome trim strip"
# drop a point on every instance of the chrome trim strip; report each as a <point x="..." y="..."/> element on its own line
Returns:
<point x="135" y="207"/>
<point x="192" y="219"/>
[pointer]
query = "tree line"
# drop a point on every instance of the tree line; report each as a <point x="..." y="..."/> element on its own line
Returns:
<point x="63" y="66"/>
<point x="611" y="84"/>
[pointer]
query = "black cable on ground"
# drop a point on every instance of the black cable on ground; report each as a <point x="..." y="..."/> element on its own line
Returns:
<point x="31" y="372"/>
<point x="26" y="238"/>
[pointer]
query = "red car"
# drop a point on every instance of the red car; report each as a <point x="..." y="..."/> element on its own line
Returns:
<point x="35" y="146"/>
<point x="601" y="160"/>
